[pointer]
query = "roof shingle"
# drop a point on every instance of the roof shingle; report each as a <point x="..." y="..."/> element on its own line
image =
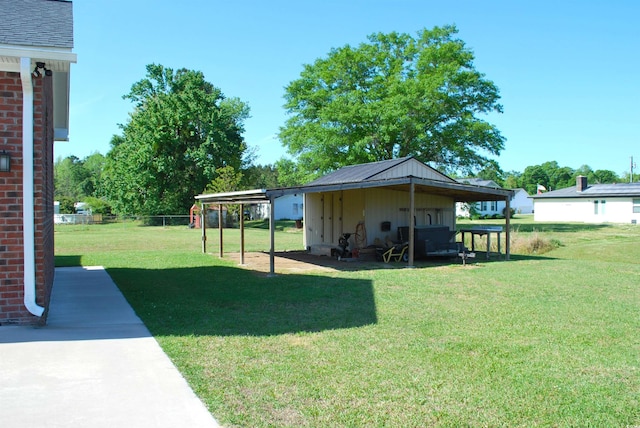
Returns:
<point x="595" y="190"/>
<point x="37" y="23"/>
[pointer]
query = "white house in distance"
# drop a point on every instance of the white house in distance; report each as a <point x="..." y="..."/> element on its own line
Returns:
<point x="521" y="202"/>
<point x="289" y="207"/>
<point x="596" y="203"/>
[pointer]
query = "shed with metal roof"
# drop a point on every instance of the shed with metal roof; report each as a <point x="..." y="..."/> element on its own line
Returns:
<point x="381" y="196"/>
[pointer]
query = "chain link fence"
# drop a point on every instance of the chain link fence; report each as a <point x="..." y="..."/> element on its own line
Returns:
<point x="157" y="220"/>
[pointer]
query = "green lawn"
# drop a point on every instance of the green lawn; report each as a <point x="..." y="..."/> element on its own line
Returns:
<point x="541" y="340"/>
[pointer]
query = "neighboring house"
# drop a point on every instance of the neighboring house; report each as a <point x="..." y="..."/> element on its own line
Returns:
<point x="595" y="203"/>
<point x="521" y="202"/>
<point x="375" y="199"/>
<point x="289" y="207"/>
<point x="36" y="42"/>
<point x="483" y="208"/>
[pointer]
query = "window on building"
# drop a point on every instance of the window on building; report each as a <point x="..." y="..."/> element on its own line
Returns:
<point x="483" y="206"/>
<point x="494" y="205"/>
<point x="295" y="209"/>
<point x="636" y="205"/>
<point x="601" y="210"/>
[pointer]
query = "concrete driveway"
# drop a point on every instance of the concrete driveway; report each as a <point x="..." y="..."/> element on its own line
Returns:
<point x="94" y="365"/>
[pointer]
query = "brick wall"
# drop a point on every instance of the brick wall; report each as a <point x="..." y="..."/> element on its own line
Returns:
<point x="12" y="308"/>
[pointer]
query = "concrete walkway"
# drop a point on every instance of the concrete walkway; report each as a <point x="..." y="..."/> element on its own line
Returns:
<point x="94" y="365"/>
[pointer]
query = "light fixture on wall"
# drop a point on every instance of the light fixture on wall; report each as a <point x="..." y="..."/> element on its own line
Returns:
<point x="40" y="66"/>
<point x="5" y="161"/>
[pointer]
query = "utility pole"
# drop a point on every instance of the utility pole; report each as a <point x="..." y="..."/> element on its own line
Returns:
<point x="632" y="166"/>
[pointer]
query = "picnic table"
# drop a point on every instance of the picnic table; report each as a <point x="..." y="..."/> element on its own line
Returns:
<point x="481" y="231"/>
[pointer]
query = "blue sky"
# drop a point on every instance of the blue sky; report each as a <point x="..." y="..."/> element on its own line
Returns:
<point x="567" y="70"/>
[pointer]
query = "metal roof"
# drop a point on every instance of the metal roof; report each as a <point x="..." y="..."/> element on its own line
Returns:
<point x="256" y="196"/>
<point x="392" y="168"/>
<point x="37" y="23"/>
<point x="360" y="177"/>
<point x="479" y="182"/>
<point x="593" y="191"/>
<point x="358" y="173"/>
<point x="459" y="192"/>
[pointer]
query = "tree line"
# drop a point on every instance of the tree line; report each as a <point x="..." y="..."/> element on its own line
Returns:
<point x="551" y="176"/>
<point x="80" y="180"/>
<point x="392" y="96"/>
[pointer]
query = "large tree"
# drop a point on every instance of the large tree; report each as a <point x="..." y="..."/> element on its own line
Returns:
<point x="391" y="97"/>
<point x="74" y="178"/>
<point x="554" y="177"/>
<point x="181" y="130"/>
<point x="492" y="171"/>
<point x="260" y="177"/>
<point x="532" y="177"/>
<point x="94" y="165"/>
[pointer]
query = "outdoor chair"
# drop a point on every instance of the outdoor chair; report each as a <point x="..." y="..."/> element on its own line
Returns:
<point x="393" y="251"/>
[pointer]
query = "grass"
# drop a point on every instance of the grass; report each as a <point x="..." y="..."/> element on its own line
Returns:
<point x="547" y="340"/>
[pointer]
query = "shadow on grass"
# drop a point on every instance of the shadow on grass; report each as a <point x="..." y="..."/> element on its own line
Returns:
<point x="480" y="259"/>
<point x="522" y="257"/>
<point x="68" y="261"/>
<point x="419" y="263"/>
<point x="226" y="301"/>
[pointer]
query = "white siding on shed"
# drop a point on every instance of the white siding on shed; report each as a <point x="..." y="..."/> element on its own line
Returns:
<point x="328" y="215"/>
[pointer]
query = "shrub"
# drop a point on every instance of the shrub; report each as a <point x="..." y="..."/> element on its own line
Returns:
<point x="66" y="205"/>
<point x="511" y="210"/>
<point x="98" y="206"/>
<point x="532" y="243"/>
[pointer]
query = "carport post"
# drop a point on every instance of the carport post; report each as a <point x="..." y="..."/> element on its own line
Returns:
<point x="507" y="217"/>
<point x="412" y="216"/>
<point x="220" y="228"/>
<point x="203" y="224"/>
<point x="272" y="228"/>
<point x="241" y="234"/>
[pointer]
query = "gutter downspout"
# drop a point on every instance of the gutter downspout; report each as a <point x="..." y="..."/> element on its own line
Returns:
<point x="28" y="227"/>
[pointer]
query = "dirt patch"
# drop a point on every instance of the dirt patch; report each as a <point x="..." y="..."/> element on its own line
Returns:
<point x="302" y="261"/>
<point x="284" y="262"/>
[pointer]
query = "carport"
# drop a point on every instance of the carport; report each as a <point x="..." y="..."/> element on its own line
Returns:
<point x="242" y="198"/>
<point x="410" y="186"/>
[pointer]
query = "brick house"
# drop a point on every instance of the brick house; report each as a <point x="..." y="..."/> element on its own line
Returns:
<point x="36" y="42"/>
